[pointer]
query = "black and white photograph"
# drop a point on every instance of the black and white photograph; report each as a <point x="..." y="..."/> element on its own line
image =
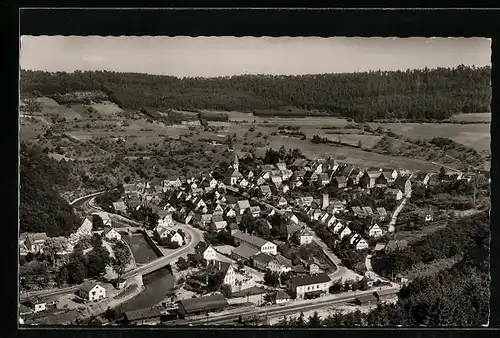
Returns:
<point x="294" y="182"/>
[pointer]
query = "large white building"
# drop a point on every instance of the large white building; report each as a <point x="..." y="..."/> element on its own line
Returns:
<point x="256" y="242"/>
<point x="92" y="292"/>
<point x="309" y="286"/>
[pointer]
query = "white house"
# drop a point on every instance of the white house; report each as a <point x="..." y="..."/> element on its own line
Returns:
<point x="176" y="237"/>
<point x="294" y="219"/>
<point x="304" y="237"/>
<point x="213" y="183"/>
<point x="242" y="206"/>
<point x="209" y="254"/>
<point x="330" y="220"/>
<point x="227" y="271"/>
<point x="165" y="219"/>
<point x="337" y="227"/>
<point x="35" y="242"/>
<point x="37" y="305"/>
<point x="111" y="234"/>
<point x="92" y="292"/>
<point x="361" y="244"/>
<point x="344" y="232"/>
<point x="230" y="212"/>
<point x="244" y="183"/>
<point x="375" y="231"/>
<point x="306" y="286"/>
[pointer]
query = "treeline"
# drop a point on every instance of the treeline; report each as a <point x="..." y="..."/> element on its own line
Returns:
<point x="459" y="237"/>
<point x="41" y="208"/>
<point x="412" y="94"/>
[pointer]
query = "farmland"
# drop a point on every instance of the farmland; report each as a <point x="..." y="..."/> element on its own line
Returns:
<point x="140" y="134"/>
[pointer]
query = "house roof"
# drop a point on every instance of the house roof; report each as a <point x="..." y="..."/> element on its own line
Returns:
<point x="281" y="166"/>
<point x="267" y="167"/>
<point x="263" y="258"/>
<point x="119" y="205"/>
<point x="341" y="179"/>
<point x="396" y="245"/>
<point x="379" y="246"/>
<point x="310" y="279"/>
<point x="39" y="236"/>
<point x="236" y="173"/>
<point x="368" y="210"/>
<point x="381" y="211"/>
<point x="233" y="226"/>
<point x="373" y="174"/>
<point x="283" y="260"/>
<point x="212" y="302"/>
<point x="250" y="239"/>
<point x="300" y="269"/>
<point x="104" y="215"/>
<point x="142" y="314"/>
<point x="292" y="228"/>
<point x="280" y="294"/>
<point x="221" y="266"/>
<point x="323" y="177"/>
<point x="217" y="218"/>
<point x="88" y="286"/>
<point x="244" y="204"/>
<point x="254" y="290"/>
<point x="392" y="191"/>
<point x="400" y="182"/>
<point x="366" y="298"/>
<point x="265" y="189"/>
<point x="246" y="251"/>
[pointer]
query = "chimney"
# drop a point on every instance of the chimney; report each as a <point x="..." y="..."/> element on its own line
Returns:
<point x="326" y="201"/>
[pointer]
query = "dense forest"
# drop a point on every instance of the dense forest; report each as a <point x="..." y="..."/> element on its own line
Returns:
<point x="41" y="207"/>
<point x="412" y="94"/>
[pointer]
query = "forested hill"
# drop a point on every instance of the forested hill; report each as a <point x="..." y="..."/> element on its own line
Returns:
<point x="411" y="94"/>
<point x="41" y="207"/>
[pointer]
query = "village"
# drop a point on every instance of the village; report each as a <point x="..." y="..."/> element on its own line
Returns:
<point x="273" y="234"/>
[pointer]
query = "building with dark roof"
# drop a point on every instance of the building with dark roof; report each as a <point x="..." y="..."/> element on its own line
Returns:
<point x="195" y="306"/>
<point x="366" y="300"/>
<point x="141" y="315"/>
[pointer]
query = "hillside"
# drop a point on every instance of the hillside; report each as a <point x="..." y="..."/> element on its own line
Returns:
<point x="41" y="208"/>
<point x="412" y="95"/>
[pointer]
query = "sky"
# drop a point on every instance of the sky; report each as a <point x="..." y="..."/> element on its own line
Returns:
<point x="223" y="56"/>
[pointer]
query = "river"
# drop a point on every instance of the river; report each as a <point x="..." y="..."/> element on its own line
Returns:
<point x="157" y="286"/>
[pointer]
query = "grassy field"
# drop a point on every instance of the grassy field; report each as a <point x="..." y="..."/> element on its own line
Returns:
<point x="107" y="108"/>
<point x="476" y="136"/>
<point x="348" y="154"/>
<point x="480" y="117"/>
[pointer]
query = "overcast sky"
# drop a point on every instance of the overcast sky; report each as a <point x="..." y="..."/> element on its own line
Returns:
<point x="220" y="56"/>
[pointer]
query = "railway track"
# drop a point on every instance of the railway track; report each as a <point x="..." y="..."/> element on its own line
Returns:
<point x="271" y="312"/>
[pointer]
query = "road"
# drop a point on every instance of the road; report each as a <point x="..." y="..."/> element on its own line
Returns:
<point x="395" y="214"/>
<point x="87" y="196"/>
<point x="229" y="317"/>
<point x="445" y="166"/>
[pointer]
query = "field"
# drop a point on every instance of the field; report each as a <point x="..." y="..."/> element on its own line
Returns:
<point x="348" y="154"/>
<point x="107" y="108"/>
<point x="476" y="136"/>
<point x="479" y="117"/>
<point x="51" y="107"/>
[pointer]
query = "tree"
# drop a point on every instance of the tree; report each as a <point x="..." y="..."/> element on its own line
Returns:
<point x="62" y="276"/>
<point x="96" y="240"/>
<point x="152" y="221"/>
<point x="299" y="321"/>
<point x="314" y="320"/>
<point x="182" y="264"/>
<point x="271" y="278"/>
<point x="240" y="266"/>
<point x="226" y="290"/>
<point x="97" y="223"/>
<point x="77" y="271"/>
<point x="118" y="267"/>
<point x="30" y="256"/>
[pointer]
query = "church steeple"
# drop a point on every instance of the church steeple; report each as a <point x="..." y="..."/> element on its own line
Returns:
<point x="236" y="163"/>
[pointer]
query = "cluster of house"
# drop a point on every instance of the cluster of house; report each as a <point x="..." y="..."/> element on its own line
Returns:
<point x="263" y="255"/>
<point x="35" y="242"/>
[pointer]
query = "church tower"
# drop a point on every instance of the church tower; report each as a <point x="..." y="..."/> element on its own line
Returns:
<point x="236" y="163"/>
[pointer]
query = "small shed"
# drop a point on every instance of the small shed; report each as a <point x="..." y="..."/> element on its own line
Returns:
<point x="366" y="300"/>
<point x="137" y="316"/>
